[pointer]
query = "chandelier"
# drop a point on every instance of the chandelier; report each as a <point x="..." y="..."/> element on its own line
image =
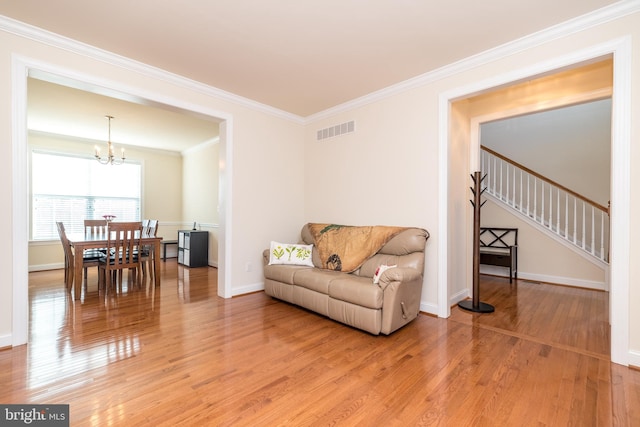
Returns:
<point x="109" y="159"/>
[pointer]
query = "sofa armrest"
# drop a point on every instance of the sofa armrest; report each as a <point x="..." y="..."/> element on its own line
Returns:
<point x="399" y="274"/>
<point x="265" y="257"/>
<point x="402" y="288"/>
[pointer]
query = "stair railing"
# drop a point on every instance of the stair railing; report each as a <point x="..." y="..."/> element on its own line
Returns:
<point x="569" y="215"/>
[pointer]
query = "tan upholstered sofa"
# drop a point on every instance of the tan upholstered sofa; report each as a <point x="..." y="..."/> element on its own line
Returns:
<point x="352" y="298"/>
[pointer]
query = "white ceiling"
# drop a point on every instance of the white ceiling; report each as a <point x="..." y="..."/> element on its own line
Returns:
<point x="302" y="56"/>
<point x="61" y="110"/>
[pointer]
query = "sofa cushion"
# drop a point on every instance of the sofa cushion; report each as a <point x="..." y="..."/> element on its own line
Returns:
<point x="356" y="290"/>
<point x="283" y="273"/>
<point x="316" y="279"/>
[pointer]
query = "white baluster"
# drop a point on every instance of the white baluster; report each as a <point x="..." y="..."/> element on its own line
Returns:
<point x="507" y="194"/>
<point x="528" y="195"/>
<point x="593" y="231"/>
<point x="542" y="201"/>
<point x="495" y="175"/>
<point x="558" y="215"/>
<point x="602" y="235"/>
<point x="535" y="198"/>
<point x="550" y="207"/>
<point x="514" y="187"/>
<point x="566" y="216"/>
<point x="575" y="220"/>
<point x="521" y="191"/>
<point x="584" y="237"/>
<point x="501" y="193"/>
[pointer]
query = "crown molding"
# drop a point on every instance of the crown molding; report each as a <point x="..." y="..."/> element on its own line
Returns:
<point x="39" y="35"/>
<point x="580" y="23"/>
<point x="213" y="141"/>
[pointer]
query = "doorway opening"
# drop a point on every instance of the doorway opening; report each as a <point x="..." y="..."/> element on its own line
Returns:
<point x="23" y="69"/>
<point x="460" y="156"/>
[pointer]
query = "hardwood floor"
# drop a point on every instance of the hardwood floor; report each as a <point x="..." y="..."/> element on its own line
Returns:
<point x="179" y="355"/>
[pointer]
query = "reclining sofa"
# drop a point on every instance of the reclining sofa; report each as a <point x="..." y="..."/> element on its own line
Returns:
<point x="352" y="297"/>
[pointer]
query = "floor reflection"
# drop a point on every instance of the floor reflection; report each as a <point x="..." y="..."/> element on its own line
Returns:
<point x="96" y="331"/>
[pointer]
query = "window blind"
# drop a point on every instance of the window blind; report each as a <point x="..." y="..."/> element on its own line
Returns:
<point x="71" y="189"/>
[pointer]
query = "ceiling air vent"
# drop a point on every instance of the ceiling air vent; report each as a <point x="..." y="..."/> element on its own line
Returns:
<point x="336" y="130"/>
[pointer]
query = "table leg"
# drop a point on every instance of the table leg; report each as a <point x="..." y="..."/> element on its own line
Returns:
<point x="156" y="267"/>
<point x="77" y="273"/>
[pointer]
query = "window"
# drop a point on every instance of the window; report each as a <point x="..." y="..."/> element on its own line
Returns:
<point x="72" y="189"/>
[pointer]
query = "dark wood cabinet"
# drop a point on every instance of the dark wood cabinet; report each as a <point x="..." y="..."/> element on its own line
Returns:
<point x="193" y="248"/>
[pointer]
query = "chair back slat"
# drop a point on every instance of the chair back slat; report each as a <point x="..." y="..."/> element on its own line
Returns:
<point x="95" y="227"/>
<point x="123" y="243"/>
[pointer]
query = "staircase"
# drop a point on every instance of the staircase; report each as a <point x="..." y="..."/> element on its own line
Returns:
<point x="564" y="214"/>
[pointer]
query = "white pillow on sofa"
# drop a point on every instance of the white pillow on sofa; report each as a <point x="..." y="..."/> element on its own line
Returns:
<point x="381" y="269"/>
<point x="290" y="254"/>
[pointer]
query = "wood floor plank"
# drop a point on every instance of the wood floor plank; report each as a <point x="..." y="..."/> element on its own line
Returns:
<point x="180" y="355"/>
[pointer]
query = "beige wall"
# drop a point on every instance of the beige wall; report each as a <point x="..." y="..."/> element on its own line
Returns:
<point x="200" y="193"/>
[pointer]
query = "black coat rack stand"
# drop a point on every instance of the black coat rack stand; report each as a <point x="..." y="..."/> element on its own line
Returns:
<point x="474" y="304"/>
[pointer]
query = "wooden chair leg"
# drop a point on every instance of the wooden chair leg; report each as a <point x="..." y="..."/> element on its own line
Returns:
<point x="69" y="278"/>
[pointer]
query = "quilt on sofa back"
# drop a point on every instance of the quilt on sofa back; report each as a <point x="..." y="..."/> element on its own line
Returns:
<point x="350" y="248"/>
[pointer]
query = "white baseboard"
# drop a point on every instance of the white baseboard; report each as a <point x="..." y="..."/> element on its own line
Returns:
<point x="557" y="280"/>
<point x="256" y="287"/>
<point x="634" y="358"/>
<point x="6" y="341"/>
<point x="429" y="308"/>
<point x="456" y="298"/>
<point x="43" y="267"/>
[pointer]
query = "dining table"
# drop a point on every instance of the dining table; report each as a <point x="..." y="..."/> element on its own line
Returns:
<point x="83" y="241"/>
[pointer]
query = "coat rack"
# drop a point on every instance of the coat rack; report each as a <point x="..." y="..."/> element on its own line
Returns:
<point x="474" y="304"/>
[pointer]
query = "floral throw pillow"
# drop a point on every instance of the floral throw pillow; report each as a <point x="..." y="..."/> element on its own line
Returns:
<point x="288" y="253"/>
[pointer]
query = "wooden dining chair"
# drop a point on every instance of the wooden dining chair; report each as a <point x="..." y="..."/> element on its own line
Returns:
<point x="95" y="226"/>
<point x="89" y="258"/>
<point x="123" y="247"/>
<point x="146" y="253"/>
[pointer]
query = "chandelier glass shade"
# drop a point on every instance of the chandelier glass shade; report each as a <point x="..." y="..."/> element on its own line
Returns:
<point x="110" y="158"/>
